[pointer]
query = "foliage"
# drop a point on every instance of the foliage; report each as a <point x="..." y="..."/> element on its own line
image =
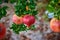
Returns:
<point x="21" y="27"/>
<point x="0" y="1"/>
<point x="54" y="6"/>
<point x="20" y="7"/>
<point x="3" y="11"/>
<point x="24" y="7"/>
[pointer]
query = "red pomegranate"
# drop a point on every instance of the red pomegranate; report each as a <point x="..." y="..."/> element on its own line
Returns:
<point x="2" y="31"/>
<point x="28" y="20"/>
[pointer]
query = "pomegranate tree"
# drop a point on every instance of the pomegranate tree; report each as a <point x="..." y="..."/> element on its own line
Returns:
<point x="24" y="18"/>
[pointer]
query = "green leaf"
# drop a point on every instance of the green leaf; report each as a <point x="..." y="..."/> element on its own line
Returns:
<point x="12" y="1"/>
<point x="32" y="27"/>
<point x="20" y="7"/>
<point x="56" y="1"/>
<point x="50" y="8"/>
<point x="34" y="13"/>
<point x="21" y="27"/>
<point x="3" y="11"/>
<point x="17" y="28"/>
<point x="0" y="1"/>
<point x="32" y="6"/>
<point x="5" y="7"/>
<point x="6" y="1"/>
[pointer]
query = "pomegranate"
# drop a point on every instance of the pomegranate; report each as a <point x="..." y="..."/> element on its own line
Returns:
<point x="17" y="20"/>
<point x="55" y="25"/>
<point x="2" y="31"/>
<point x="28" y="20"/>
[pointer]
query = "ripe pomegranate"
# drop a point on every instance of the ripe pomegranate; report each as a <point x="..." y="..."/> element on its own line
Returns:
<point x="55" y="25"/>
<point x="2" y="31"/>
<point x="28" y="20"/>
<point x="17" y="20"/>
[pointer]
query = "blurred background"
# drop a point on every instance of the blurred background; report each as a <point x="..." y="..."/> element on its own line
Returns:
<point x="44" y="15"/>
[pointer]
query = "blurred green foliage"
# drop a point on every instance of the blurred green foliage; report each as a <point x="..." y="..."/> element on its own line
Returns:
<point x="3" y="11"/>
<point x="54" y="6"/>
